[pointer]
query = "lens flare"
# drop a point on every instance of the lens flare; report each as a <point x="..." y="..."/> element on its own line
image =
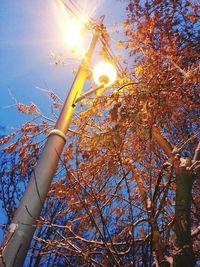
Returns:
<point x="74" y="31"/>
<point x="104" y="73"/>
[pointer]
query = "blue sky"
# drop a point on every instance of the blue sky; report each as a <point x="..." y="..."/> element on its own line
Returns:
<point x="29" y="32"/>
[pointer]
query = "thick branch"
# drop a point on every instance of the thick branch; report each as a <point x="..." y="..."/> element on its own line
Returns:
<point x="161" y="140"/>
<point x="197" y="153"/>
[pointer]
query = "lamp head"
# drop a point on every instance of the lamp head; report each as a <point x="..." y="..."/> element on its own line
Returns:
<point x="104" y="73"/>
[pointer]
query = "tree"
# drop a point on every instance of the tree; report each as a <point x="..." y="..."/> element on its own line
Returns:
<point x="163" y="40"/>
<point x="126" y="193"/>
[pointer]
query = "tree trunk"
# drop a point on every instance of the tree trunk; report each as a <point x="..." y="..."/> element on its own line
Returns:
<point x="184" y="256"/>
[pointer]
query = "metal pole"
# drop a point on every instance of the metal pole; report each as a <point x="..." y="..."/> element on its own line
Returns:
<point x="16" y="243"/>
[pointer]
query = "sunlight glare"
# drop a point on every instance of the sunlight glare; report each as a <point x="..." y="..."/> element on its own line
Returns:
<point x="74" y="33"/>
<point x="71" y="28"/>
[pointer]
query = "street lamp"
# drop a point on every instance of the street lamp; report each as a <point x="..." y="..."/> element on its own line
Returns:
<point x="104" y="73"/>
<point x="18" y="238"/>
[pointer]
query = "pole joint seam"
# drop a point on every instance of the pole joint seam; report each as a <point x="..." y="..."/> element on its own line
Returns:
<point x="59" y="133"/>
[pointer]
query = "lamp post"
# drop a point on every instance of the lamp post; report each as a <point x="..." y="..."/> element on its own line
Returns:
<point x="18" y="238"/>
